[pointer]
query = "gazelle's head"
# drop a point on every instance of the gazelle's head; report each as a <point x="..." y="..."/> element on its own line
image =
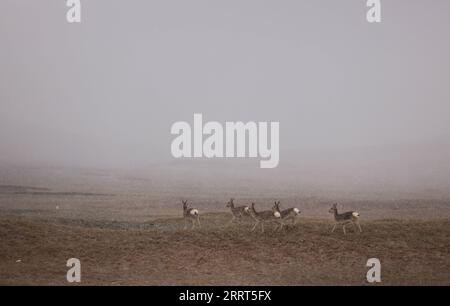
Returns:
<point x="333" y="208"/>
<point x="185" y="205"/>
<point x="230" y="203"/>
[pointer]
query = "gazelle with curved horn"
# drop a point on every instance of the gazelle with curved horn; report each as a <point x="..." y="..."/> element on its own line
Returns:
<point x="264" y="216"/>
<point x="344" y="218"/>
<point x="238" y="212"/>
<point x="190" y="213"/>
<point x="286" y="214"/>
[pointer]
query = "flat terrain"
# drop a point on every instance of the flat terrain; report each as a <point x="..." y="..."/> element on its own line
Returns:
<point x="34" y="251"/>
<point x="126" y="229"/>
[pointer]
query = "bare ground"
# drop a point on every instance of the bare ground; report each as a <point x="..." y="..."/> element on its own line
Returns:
<point x="34" y="251"/>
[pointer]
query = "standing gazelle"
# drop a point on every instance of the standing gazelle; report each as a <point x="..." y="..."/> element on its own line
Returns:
<point x="344" y="218"/>
<point x="286" y="214"/>
<point x="263" y="216"/>
<point x="238" y="212"/>
<point x="191" y="214"/>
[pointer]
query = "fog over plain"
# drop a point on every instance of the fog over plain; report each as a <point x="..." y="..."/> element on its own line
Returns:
<point x="358" y="103"/>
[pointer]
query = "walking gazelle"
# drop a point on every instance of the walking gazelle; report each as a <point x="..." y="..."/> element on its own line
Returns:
<point x="344" y="218"/>
<point x="286" y="214"/>
<point x="238" y="212"/>
<point x="191" y="214"/>
<point x="263" y="216"/>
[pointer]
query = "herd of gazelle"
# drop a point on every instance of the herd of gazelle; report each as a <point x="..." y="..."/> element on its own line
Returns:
<point x="275" y="215"/>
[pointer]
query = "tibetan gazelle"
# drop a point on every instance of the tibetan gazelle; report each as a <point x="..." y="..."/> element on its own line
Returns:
<point x="286" y="214"/>
<point x="344" y="218"/>
<point x="263" y="216"/>
<point x="238" y="212"/>
<point x="191" y="214"/>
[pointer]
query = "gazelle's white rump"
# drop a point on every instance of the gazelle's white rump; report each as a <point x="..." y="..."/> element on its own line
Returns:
<point x="355" y="214"/>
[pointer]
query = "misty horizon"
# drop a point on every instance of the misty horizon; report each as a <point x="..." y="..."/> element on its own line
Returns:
<point x="355" y="101"/>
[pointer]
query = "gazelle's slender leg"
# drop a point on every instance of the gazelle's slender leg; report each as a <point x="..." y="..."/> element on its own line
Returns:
<point x="277" y="226"/>
<point x="359" y="226"/>
<point x="334" y="227"/>
<point x="185" y="223"/>
<point x="343" y="228"/>
<point x="239" y="218"/>
<point x="231" y="221"/>
<point x="254" y="226"/>
<point x="193" y="223"/>
<point x="198" y="221"/>
<point x="262" y="227"/>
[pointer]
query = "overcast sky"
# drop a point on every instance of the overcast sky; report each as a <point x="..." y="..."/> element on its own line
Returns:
<point x="106" y="92"/>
